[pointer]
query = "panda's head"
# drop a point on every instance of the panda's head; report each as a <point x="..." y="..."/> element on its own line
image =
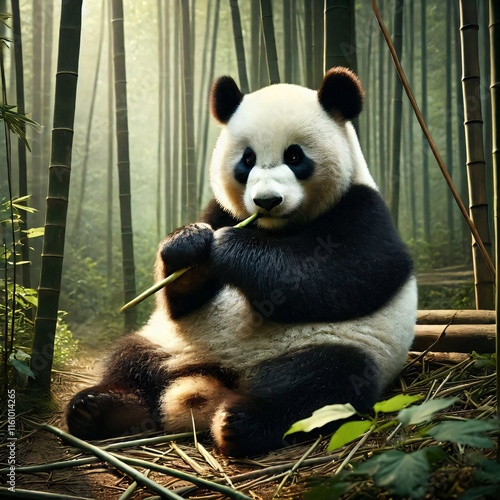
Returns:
<point x="286" y="151"/>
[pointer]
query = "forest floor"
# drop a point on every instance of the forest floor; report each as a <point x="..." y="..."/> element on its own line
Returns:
<point x="285" y="473"/>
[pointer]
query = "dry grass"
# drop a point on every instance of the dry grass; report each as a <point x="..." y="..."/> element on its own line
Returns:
<point x="284" y="473"/>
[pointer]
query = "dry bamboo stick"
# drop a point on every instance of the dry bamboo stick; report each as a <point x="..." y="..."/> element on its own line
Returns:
<point x="460" y="317"/>
<point x="458" y="338"/>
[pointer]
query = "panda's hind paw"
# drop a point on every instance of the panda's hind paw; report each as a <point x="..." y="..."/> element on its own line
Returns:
<point x="99" y="413"/>
<point x="240" y="429"/>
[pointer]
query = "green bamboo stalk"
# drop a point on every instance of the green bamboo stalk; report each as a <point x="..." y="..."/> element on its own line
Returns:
<point x="198" y="481"/>
<point x="397" y="106"/>
<point x="287" y="40"/>
<point x="494" y="29"/>
<point x="114" y="461"/>
<point x="36" y="495"/>
<point x="123" y="158"/>
<point x="190" y="166"/>
<point x="266" y="10"/>
<point x="120" y="445"/>
<point x="426" y="199"/>
<point x="177" y="274"/>
<point x="75" y="233"/>
<point x="340" y="46"/>
<point x="308" y="44"/>
<point x="449" y="129"/>
<point x="318" y="15"/>
<point x="57" y="197"/>
<point x="111" y="149"/>
<point x="239" y="46"/>
<point x="21" y="146"/>
<point x="204" y="140"/>
<point x="162" y="48"/>
<point x="476" y="172"/>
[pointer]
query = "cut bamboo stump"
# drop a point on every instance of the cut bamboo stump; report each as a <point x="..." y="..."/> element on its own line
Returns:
<point x="464" y="331"/>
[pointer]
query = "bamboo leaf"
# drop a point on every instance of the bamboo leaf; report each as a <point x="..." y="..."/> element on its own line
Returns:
<point x="424" y="412"/>
<point x="35" y="232"/>
<point x="348" y="432"/>
<point x="322" y="417"/>
<point x="469" y="432"/>
<point x="397" y="403"/>
<point x="22" y="368"/>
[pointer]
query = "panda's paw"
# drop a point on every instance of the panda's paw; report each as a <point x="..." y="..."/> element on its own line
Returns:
<point x="95" y="413"/>
<point x="86" y="413"/>
<point x="241" y="429"/>
<point x="187" y="246"/>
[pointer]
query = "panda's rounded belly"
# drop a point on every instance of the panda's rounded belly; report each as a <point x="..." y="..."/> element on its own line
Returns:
<point x="226" y="331"/>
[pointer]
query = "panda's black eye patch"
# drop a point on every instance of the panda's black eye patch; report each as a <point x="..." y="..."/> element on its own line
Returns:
<point x="300" y="164"/>
<point x="243" y="167"/>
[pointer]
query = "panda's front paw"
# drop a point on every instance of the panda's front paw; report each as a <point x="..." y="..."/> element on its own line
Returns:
<point x="187" y="246"/>
<point x="240" y="429"/>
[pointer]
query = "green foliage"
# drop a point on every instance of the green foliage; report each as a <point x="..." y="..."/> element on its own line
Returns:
<point x="404" y="474"/>
<point x="468" y="432"/>
<point x="348" y="432"/>
<point x="322" y="417"/>
<point x="424" y="412"/>
<point x="18" y="303"/>
<point x="396" y="471"/>
<point x="16" y="122"/>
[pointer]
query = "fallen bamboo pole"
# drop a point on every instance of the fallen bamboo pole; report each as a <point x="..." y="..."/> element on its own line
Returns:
<point x="457" y="338"/>
<point x="460" y="317"/>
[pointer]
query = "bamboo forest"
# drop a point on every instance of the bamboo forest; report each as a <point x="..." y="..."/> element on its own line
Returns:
<point x="111" y="122"/>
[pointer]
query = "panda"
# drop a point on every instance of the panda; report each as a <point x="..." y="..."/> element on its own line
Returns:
<point x="313" y="304"/>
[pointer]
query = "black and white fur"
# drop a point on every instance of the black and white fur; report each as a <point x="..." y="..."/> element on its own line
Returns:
<point x="313" y="304"/>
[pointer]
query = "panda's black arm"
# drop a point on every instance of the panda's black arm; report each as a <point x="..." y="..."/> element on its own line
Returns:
<point x="345" y="264"/>
<point x="189" y="246"/>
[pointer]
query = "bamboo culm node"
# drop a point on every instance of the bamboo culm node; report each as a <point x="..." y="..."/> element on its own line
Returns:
<point x="174" y="276"/>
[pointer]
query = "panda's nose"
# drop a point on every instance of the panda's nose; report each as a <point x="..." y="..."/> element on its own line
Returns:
<point x="268" y="203"/>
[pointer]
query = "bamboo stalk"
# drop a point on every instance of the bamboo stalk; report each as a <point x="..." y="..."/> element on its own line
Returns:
<point x="460" y="317"/>
<point x="174" y="276"/>
<point x="270" y="41"/>
<point x="57" y="197"/>
<point x="494" y="29"/>
<point x="239" y="46"/>
<point x="123" y="160"/>
<point x="36" y="495"/>
<point x="431" y="142"/>
<point x="475" y="161"/>
<point x="457" y="338"/>
<point x="114" y="461"/>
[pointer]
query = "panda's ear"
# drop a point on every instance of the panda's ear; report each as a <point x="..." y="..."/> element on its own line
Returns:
<point x="341" y="92"/>
<point x="225" y="97"/>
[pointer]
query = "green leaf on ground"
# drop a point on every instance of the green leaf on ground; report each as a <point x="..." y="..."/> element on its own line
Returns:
<point x="469" y="432"/>
<point x="322" y="417"/>
<point x="423" y="413"/>
<point x="348" y="432"/>
<point x="397" y="403"/>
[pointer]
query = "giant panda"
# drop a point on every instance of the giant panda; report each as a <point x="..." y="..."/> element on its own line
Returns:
<point x="311" y="305"/>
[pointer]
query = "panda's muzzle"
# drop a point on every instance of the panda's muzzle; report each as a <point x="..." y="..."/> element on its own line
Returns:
<point x="268" y="203"/>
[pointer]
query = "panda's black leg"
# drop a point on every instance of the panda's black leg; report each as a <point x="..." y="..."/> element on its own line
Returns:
<point x="290" y="388"/>
<point x="126" y="400"/>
